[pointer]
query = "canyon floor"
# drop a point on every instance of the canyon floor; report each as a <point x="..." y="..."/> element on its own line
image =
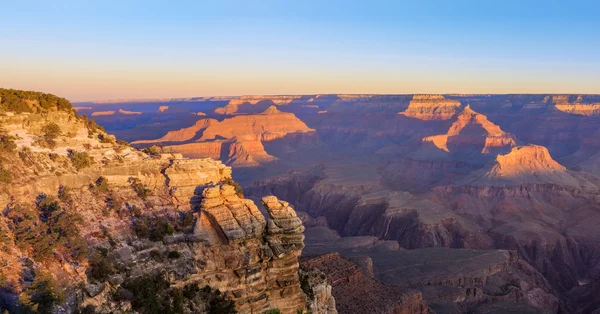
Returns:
<point x="482" y="203"/>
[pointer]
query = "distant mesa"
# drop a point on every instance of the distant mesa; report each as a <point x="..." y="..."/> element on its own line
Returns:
<point x="531" y="164"/>
<point x="112" y="112"/>
<point x="431" y="107"/>
<point x="103" y="113"/>
<point x="127" y="112"/>
<point x="173" y="109"/>
<point x="579" y="109"/>
<point x="239" y="138"/>
<point x="473" y="129"/>
<point x="253" y="104"/>
<point x="576" y="105"/>
<point x="82" y="108"/>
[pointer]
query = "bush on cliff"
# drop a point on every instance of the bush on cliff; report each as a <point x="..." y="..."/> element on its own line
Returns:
<point x="7" y="143"/>
<point x="5" y="176"/>
<point x="238" y="188"/>
<point x="80" y="160"/>
<point x="41" y="295"/>
<point x="140" y="189"/>
<point x="21" y="101"/>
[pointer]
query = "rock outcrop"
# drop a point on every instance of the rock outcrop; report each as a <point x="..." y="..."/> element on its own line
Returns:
<point x="355" y="292"/>
<point x="525" y="165"/>
<point x="239" y="138"/>
<point x="472" y="130"/>
<point x="253" y="104"/>
<point x="431" y="107"/>
<point x="135" y="217"/>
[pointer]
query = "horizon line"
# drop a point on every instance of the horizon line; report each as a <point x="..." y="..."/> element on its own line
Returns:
<point x="191" y="98"/>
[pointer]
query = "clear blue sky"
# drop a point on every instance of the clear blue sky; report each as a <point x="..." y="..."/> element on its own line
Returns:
<point x="87" y="50"/>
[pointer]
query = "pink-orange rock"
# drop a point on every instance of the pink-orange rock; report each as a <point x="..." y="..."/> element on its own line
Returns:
<point x="431" y="107"/>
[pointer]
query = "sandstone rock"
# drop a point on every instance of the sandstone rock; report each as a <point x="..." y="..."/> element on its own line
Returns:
<point x="431" y="107"/>
<point x="284" y="228"/>
<point x="235" y="219"/>
<point x="472" y="129"/>
<point x="314" y="284"/>
<point x="354" y="292"/>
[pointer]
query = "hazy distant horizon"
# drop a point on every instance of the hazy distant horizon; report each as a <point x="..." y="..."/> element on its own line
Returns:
<point x="191" y="98"/>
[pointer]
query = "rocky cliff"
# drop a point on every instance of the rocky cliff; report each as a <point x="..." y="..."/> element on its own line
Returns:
<point x="89" y="222"/>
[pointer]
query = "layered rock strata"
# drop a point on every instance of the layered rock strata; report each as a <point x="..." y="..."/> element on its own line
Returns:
<point x="431" y="107"/>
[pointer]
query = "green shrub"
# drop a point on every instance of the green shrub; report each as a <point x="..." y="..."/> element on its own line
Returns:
<point x="16" y="100"/>
<point x="187" y="220"/>
<point x="101" y="185"/>
<point x="154" y="229"/>
<point x="238" y="188"/>
<point x="122" y="143"/>
<point x="153" y="150"/>
<point x="173" y="255"/>
<point x="7" y="143"/>
<point x="105" y="139"/>
<point x="160" y="229"/>
<point x="64" y="193"/>
<point x="272" y="311"/>
<point x="42" y="294"/>
<point x="51" y="131"/>
<point x="5" y="176"/>
<point x="149" y="294"/>
<point x="155" y="255"/>
<point x="140" y="189"/>
<point x="141" y="227"/>
<point x="80" y="160"/>
<point x="100" y="268"/>
<point x="215" y="302"/>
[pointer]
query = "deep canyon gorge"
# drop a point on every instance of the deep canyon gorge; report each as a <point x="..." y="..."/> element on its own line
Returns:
<point x="316" y="203"/>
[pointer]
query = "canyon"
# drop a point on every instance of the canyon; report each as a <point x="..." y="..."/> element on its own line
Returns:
<point x="380" y="179"/>
<point x="393" y="203"/>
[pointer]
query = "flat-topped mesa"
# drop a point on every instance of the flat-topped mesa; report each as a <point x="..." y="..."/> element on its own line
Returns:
<point x="588" y="106"/>
<point x="284" y="228"/>
<point x="127" y="112"/>
<point x="473" y="129"/>
<point x="431" y="107"/>
<point x="579" y="109"/>
<point x="236" y="219"/>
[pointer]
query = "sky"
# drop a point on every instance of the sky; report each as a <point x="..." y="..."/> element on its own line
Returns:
<point x="98" y="50"/>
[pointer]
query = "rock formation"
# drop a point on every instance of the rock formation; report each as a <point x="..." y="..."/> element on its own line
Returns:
<point x="355" y="292"/>
<point x="524" y="165"/>
<point x="470" y="184"/>
<point x="239" y="138"/>
<point x="473" y="130"/>
<point x="253" y="104"/>
<point x="135" y="217"/>
<point x="431" y="107"/>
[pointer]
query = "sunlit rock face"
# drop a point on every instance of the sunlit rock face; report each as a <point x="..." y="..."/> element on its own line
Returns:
<point x="253" y="104"/>
<point x="472" y="129"/>
<point x="119" y="196"/>
<point x="531" y="164"/>
<point x="432" y="107"/>
<point x="240" y="139"/>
